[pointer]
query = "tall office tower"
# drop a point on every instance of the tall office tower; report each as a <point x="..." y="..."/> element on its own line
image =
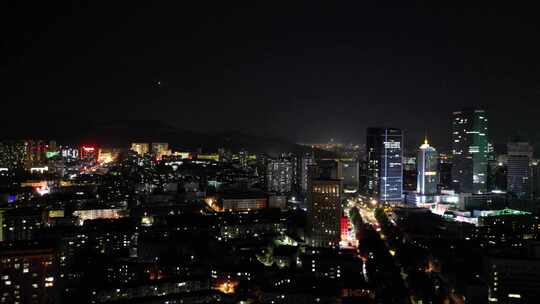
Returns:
<point x="470" y="149"/>
<point x="324" y="212"/>
<point x="351" y="175"/>
<point x="519" y="158"/>
<point x="140" y="148"/>
<point x="307" y="160"/>
<point x="410" y="174"/>
<point x="293" y="159"/>
<point x="160" y="150"/>
<point x="12" y="154"/>
<point x="279" y="175"/>
<point x="426" y="164"/>
<point x="445" y="170"/>
<point x="385" y="169"/>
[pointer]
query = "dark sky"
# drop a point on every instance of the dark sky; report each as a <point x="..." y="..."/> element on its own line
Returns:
<point x="305" y="72"/>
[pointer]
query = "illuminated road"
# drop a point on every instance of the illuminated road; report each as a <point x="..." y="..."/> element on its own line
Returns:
<point x="380" y="266"/>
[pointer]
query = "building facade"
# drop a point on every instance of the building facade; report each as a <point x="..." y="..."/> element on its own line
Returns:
<point x="427" y="162"/>
<point x="279" y="175"/>
<point x="518" y="169"/>
<point x="28" y="274"/>
<point x="307" y="160"/>
<point x="324" y="212"/>
<point x="470" y="149"/>
<point x="350" y="170"/>
<point x="385" y="168"/>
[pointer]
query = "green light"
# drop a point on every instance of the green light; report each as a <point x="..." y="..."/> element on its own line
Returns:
<point x="508" y="211"/>
<point x="51" y="154"/>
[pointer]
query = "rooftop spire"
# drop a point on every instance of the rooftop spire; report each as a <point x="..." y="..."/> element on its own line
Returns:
<point x="426" y="142"/>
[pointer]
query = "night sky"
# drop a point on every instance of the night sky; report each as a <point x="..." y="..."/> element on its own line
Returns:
<point x="302" y="72"/>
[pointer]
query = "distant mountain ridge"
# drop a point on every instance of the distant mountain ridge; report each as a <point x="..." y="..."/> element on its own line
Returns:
<point x="121" y="133"/>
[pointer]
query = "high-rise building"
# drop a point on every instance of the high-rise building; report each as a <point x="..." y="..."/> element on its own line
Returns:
<point x="351" y="174"/>
<point x="426" y="164"/>
<point x="410" y="174"/>
<point x="518" y="161"/>
<point x="445" y="170"/>
<point x="385" y="168"/>
<point x="498" y="176"/>
<point x="28" y="273"/>
<point x="307" y="160"/>
<point x="293" y="159"/>
<point x="324" y="212"/>
<point x="12" y="154"/>
<point x="346" y="169"/>
<point x="279" y="175"/>
<point x="470" y="149"/>
<point x="140" y="148"/>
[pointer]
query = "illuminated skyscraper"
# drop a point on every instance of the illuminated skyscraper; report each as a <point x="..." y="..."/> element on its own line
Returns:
<point x="307" y="160"/>
<point x="426" y="164"/>
<point x="470" y="149"/>
<point x="519" y="157"/>
<point x="385" y="168"/>
<point x="279" y="175"/>
<point x="324" y="212"/>
<point x="140" y="148"/>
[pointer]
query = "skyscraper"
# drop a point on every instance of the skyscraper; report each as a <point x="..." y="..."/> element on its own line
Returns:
<point x="426" y="164"/>
<point x="307" y="160"/>
<point x="324" y="212"/>
<point x="385" y="168"/>
<point x="350" y="172"/>
<point x="470" y="149"/>
<point x="279" y="175"/>
<point x="519" y="157"/>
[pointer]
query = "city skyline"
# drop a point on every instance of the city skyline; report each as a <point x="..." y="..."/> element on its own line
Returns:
<point x="263" y="152"/>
